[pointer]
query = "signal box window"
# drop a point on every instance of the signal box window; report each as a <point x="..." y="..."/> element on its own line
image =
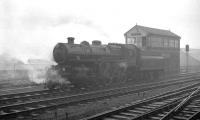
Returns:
<point x="156" y="42"/>
<point x="165" y="43"/>
<point x="144" y="41"/>
<point x="138" y="42"/>
<point x="131" y="40"/>
<point x="171" y="43"/>
<point x="176" y="44"/>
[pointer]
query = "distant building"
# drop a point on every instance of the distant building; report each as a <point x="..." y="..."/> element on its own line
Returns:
<point x="146" y="37"/>
<point x="39" y="61"/>
<point x="39" y="64"/>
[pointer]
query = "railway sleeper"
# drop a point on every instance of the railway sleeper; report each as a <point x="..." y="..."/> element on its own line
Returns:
<point x="169" y="101"/>
<point x="34" y="114"/>
<point x="136" y="111"/>
<point x="155" y="118"/>
<point x="193" y="106"/>
<point x="188" y="112"/>
<point x="121" y="117"/>
<point x="158" y="103"/>
<point x="180" y="117"/>
<point x="14" y="110"/>
<point x="41" y="105"/>
<point x="20" y="117"/>
<point x="149" y="107"/>
<point x="128" y="114"/>
<point x="142" y="109"/>
<point x="161" y="114"/>
<point x="29" y="108"/>
<point x="154" y="105"/>
<point x="110" y="119"/>
<point x="3" y="113"/>
<point x="185" y="115"/>
<point x="191" y="109"/>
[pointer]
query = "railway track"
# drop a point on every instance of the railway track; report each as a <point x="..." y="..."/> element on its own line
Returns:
<point x="182" y="75"/>
<point x="178" y="105"/>
<point x="30" y="90"/>
<point x="35" y="108"/>
<point x="12" y="93"/>
<point x="14" y="90"/>
<point x="32" y="104"/>
<point x="9" y="99"/>
<point x="186" y="109"/>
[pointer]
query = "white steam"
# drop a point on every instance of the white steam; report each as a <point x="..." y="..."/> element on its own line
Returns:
<point x="28" y="32"/>
<point x="32" y="33"/>
<point x="37" y="75"/>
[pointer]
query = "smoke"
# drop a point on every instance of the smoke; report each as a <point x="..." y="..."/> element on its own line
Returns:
<point x="7" y="59"/>
<point x="35" y="19"/>
<point x="36" y="75"/>
<point x="31" y="33"/>
<point x="53" y="78"/>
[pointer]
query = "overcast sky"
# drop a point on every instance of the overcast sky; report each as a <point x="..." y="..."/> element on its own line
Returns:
<point x="30" y="28"/>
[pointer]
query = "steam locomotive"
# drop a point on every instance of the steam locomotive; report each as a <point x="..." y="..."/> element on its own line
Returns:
<point x="87" y="65"/>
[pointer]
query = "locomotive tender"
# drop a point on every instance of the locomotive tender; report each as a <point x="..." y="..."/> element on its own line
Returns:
<point x="140" y="60"/>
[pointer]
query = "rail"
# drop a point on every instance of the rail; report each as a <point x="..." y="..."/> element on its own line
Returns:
<point x="27" y="108"/>
<point x="143" y="109"/>
<point x="180" y="106"/>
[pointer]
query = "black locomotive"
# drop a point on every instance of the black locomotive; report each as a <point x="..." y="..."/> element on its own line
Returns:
<point x="87" y="65"/>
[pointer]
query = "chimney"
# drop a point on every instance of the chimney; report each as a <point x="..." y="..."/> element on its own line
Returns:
<point x="70" y="40"/>
<point x="96" y="42"/>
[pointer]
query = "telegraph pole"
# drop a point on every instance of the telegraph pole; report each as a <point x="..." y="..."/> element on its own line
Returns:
<point x="187" y="57"/>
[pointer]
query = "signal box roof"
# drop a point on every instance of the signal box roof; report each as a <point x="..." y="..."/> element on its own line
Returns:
<point x="154" y="31"/>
